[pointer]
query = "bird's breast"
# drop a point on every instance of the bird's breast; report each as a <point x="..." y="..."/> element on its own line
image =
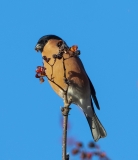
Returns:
<point x="71" y="69"/>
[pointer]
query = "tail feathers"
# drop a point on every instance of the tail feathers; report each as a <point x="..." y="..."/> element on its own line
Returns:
<point x="96" y="127"/>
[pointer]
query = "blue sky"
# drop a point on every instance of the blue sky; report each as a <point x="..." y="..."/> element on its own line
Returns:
<point x="107" y="35"/>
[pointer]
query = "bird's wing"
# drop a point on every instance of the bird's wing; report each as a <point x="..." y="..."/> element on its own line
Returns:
<point x="93" y="93"/>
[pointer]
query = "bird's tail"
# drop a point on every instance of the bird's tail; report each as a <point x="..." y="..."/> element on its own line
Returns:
<point x="96" y="127"/>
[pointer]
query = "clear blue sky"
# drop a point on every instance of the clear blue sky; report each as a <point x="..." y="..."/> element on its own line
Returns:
<point x="107" y="35"/>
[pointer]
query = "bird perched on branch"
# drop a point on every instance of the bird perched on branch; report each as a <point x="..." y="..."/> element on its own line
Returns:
<point x="66" y="73"/>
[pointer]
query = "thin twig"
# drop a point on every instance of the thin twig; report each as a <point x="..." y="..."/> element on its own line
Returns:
<point x="65" y="111"/>
<point x="52" y="67"/>
<point x="51" y="79"/>
<point x="64" y="68"/>
<point x="55" y="83"/>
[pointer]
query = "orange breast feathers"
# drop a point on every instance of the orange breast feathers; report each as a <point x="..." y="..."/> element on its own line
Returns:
<point x="57" y="70"/>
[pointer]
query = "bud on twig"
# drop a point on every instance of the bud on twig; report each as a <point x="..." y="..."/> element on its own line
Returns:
<point x="55" y="56"/>
<point x="41" y="79"/>
<point x="46" y="59"/>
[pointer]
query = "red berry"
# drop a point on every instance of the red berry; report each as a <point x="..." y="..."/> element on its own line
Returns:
<point x="102" y="154"/>
<point x="75" y="151"/>
<point x="79" y="144"/>
<point x="89" y="155"/>
<point x="83" y="155"/>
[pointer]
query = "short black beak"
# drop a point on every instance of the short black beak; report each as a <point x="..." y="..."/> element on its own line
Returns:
<point x="38" y="47"/>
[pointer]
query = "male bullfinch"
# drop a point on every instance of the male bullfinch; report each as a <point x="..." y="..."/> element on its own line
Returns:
<point x="80" y="88"/>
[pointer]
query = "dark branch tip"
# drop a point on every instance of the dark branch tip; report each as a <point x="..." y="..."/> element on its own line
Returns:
<point x="55" y="56"/>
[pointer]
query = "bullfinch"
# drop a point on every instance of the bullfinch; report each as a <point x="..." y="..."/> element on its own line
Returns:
<point x="78" y="86"/>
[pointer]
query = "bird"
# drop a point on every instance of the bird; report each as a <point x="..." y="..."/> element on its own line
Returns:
<point x="79" y="86"/>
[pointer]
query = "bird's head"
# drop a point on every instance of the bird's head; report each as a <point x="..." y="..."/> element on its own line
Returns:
<point x="43" y="41"/>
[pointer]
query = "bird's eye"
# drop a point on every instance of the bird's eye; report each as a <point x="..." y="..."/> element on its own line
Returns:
<point x="59" y="43"/>
<point x="45" y="41"/>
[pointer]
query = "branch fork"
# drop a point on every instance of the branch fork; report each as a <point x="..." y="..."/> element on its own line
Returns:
<point x="65" y="110"/>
